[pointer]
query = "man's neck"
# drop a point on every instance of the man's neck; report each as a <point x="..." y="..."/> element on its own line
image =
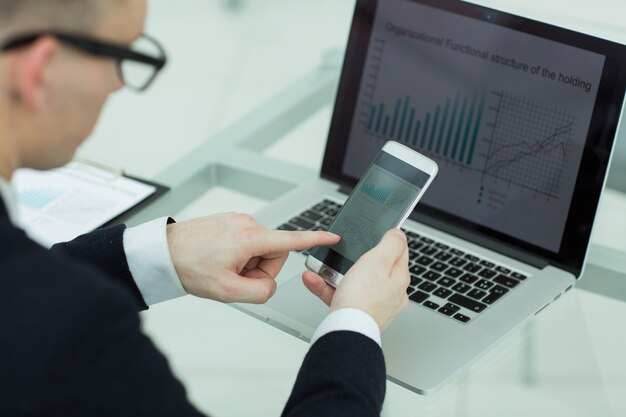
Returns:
<point x="9" y="160"/>
<point x="7" y="202"/>
<point x="5" y="172"/>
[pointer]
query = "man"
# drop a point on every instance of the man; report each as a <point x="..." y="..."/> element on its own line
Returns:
<point x="71" y="343"/>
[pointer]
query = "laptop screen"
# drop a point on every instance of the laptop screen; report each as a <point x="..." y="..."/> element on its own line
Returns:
<point x="508" y="107"/>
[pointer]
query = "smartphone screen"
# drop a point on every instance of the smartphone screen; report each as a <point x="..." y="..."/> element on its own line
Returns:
<point x="378" y="203"/>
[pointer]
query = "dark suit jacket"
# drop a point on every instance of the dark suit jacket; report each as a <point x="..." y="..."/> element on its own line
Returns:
<point x="71" y="343"/>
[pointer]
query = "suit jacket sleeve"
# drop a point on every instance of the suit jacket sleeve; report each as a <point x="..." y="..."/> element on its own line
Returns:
<point x="343" y="374"/>
<point x="104" y="250"/>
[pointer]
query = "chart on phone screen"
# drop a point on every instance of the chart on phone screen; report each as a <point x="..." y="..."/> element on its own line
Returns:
<point x="375" y="206"/>
<point x="507" y="126"/>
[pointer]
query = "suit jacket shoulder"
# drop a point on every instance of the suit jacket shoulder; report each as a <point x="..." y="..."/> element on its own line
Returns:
<point x="71" y="343"/>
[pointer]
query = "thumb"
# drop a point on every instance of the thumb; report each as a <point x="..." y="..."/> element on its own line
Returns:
<point x="249" y="290"/>
<point x="318" y="287"/>
<point x="390" y="249"/>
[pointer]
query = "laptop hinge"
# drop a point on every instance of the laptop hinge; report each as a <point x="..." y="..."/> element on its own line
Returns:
<point x="476" y="238"/>
<point x="482" y="240"/>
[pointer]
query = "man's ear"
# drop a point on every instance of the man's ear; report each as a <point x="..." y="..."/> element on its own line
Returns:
<point x="30" y="69"/>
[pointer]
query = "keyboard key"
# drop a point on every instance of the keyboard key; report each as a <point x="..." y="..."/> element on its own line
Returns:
<point x="427" y="240"/>
<point x="467" y="303"/>
<point x="415" y="280"/>
<point x="449" y="309"/>
<point x="302" y="222"/>
<point x="414" y="255"/>
<point x="431" y="305"/>
<point x="326" y="221"/>
<point x="460" y="287"/>
<point x="487" y="264"/>
<point x="483" y="284"/>
<point x="427" y="286"/>
<point x="469" y="278"/>
<point x="518" y="276"/>
<point x="457" y="252"/>
<point x="487" y="273"/>
<point x="492" y="297"/>
<point x="332" y="212"/>
<point x="453" y="272"/>
<point x="409" y="291"/>
<point x="415" y="245"/>
<point x="424" y="260"/>
<point x="446" y="282"/>
<point x="476" y="294"/>
<point x="312" y="215"/>
<point x="287" y="227"/>
<point x="495" y="294"/>
<point x="319" y="207"/>
<point x="458" y="262"/>
<point x="418" y="296"/>
<point x="429" y="250"/>
<point x="412" y="235"/>
<point x="431" y="276"/>
<point x="498" y="290"/>
<point x="506" y="281"/>
<point x="443" y="256"/>
<point x="442" y="246"/>
<point x="472" y="258"/>
<point x="503" y="270"/>
<point x="417" y="270"/>
<point x="439" y="267"/>
<point x="462" y="318"/>
<point x="443" y="292"/>
<point x="472" y="267"/>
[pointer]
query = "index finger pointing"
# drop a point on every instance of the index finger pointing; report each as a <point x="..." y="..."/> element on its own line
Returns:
<point x="276" y="241"/>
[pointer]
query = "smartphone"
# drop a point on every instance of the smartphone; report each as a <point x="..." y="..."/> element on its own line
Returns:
<point x="382" y="200"/>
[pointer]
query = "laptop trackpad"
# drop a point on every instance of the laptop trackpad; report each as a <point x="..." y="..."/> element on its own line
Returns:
<point x="294" y="300"/>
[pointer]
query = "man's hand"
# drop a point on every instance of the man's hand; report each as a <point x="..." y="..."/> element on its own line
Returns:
<point x="232" y="258"/>
<point x="376" y="284"/>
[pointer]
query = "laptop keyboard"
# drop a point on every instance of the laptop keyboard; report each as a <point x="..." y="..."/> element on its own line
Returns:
<point x="445" y="279"/>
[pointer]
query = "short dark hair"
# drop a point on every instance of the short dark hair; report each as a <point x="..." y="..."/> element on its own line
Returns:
<point x="74" y="15"/>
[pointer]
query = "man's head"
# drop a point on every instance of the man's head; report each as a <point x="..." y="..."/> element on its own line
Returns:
<point x="77" y="15"/>
<point x="51" y="94"/>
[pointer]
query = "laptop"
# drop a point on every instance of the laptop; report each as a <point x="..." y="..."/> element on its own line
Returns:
<point x="521" y="118"/>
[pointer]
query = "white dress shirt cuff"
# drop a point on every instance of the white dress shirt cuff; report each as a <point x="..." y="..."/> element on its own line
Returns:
<point x="349" y="319"/>
<point x="150" y="262"/>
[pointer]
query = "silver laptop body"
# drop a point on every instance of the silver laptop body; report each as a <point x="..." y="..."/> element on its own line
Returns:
<point x="522" y="157"/>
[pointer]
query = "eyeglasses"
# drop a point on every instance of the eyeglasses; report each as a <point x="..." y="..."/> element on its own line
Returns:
<point x="137" y="64"/>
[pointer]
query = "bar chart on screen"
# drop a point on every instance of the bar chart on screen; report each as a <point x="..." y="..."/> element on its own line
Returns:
<point x="498" y="135"/>
<point x="523" y="141"/>
<point x="378" y="193"/>
<point x="448" y="130"/>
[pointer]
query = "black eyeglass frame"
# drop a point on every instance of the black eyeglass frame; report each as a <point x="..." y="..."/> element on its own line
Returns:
<point x="98" y="48"/>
